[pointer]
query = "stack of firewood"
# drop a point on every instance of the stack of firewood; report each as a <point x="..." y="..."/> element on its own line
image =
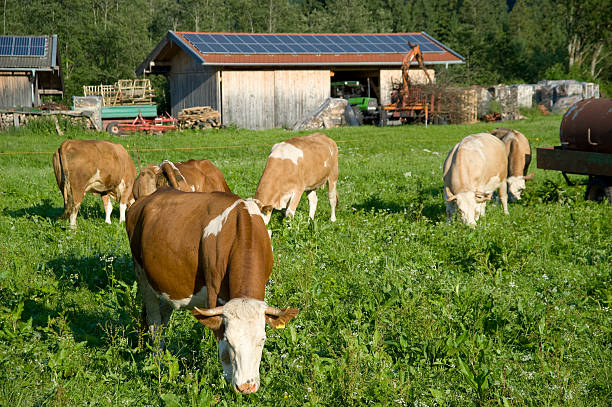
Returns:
<point x="200" y="117"/>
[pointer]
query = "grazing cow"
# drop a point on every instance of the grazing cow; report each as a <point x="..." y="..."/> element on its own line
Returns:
<point x="208" y="250"/>
<point x="97" y="166"/>
<point x="294" y="166"/>
<point x="474" y="168"/>
<point x="519" y="158"/>
<point x="188" y="176"/>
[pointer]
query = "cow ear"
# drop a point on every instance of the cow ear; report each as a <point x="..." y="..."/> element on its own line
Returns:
<point x="529" y="177"/>
<point x="213" y="323"/>
<point x="284" y="316"/>
<point x="267" y="209"/>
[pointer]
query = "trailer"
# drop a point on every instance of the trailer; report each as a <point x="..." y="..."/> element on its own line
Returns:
<point x="586" y="147"/>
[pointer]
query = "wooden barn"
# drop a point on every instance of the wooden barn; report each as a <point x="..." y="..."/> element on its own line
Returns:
<point x="261" y="81"/>
<point x="29" y="68"/>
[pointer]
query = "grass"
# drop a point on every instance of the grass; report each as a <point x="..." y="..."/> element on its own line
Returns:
<point x="397" y="307"/>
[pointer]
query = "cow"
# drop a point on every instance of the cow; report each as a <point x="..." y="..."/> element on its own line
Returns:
<point x="296" y="165"/>
<point x="188" y="176"/>
<point x="209" y="252"/>
<point x="474" y="168"/>
<point x="97" y="166"/>
<point x="519" y="158"/>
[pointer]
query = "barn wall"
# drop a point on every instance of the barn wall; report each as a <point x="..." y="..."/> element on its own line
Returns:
<point x="298" y="92"/>
<point x="268" y="99"/>
<point x="192" y="84"/>
<point x="390" y="76"/>
<point x="248" y="99"/>
<point x="15" y="91"/>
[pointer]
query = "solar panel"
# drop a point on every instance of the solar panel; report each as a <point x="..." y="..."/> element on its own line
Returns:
<point x="227" y="43"/>
<point x="23" y="46"/>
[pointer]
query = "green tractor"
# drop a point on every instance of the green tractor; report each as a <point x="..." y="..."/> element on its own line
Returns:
<point x="366" y="109"/>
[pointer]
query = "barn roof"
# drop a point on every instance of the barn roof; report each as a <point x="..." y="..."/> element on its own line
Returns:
<point x="36" y="54"/>
<point x="28" y="52"/>
<point x="282" y="49"/>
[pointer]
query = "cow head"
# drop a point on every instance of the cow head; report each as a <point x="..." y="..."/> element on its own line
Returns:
<point x="470" y="205"/>
<point x="240" y="329"/>
<point x="516" y="186"/>
<point x="146" y="183"/>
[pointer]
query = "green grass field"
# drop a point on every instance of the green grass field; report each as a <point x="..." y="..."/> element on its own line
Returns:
<point x="397" y="307"/>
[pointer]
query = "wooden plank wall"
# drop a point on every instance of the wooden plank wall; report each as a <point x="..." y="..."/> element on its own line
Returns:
<point x="268" y="99"/>
<point x="15" y="91"/>
<point x="297" y="93"/>
<point x="389" y="76"/>
<point x="248" y="99"/>
<point x="192" y="84"/>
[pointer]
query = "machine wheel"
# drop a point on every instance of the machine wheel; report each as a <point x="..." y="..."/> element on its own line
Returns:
<point x="113" y="129"/>
<point x="358" y="115"/>
<point x="598" y="188"/>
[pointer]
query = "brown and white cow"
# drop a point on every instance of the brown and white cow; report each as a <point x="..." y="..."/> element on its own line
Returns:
<point x="97" y="166"/>
<point x="475" y="167"/>
<point x="187" y="176"/>
<point x="296" y="165"/>
<point x="519" y="158"/>
<point x="209" y="250"/>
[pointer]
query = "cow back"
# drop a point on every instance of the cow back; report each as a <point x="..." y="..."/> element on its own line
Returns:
<point x="518" y="148"/>
<point x="185" y="241"/>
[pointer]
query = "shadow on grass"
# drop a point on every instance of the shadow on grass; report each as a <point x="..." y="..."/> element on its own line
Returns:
<point x="49" y="210"/>
<point x="95" y="272"/>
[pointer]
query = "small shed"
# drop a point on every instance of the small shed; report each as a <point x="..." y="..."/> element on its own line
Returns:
<point x="261" y="81"/>
<point x="29" y="68"/>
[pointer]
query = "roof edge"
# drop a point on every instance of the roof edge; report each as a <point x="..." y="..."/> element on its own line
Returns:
<point x="170" y="38"/>
<point x="458" y="55"/>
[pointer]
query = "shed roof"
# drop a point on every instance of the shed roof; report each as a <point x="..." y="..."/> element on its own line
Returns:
<point x="28" y="52"/>
<point x="295" y="49"/>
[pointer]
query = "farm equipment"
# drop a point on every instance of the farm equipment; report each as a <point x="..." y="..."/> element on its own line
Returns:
<point x="124" y="102"/>
<point x="408" y="102"/>
<point x="586" y="147"/>
<point x="158" y="125"/>
<point x="366" y="108"/>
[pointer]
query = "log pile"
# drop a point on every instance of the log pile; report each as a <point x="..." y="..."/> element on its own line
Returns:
<point x="16" y="119"/>
<point x="200" y="117"/>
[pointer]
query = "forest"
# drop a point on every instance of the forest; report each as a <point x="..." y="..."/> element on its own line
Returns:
<point x="503" y="41"/>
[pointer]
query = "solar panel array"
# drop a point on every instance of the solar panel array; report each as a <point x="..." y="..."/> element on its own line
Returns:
<point x="309" y="43"/>
<point x="23" y="46"/>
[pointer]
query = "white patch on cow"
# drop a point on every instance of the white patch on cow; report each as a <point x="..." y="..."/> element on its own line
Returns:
<point x="192" y="188"/>
<point x="108" y="209"/>
<point x="216" y="224"/>
<point x="253" y="208"/>
<point x="325" y="164"/>
<point x="285" y="199"/>
<point x="243" y="341"/>
<point x="122" y="208"/>
<point x="200" y="299"/>
<point x="516" y="186"/>
<point x="331" y="152"/>
<point x="286" y="151"/>
<point x="95" y="182"/>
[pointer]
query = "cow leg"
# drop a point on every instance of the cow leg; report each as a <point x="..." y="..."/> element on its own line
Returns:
<point x="151" y="306"/>
<point x="122" y="208"/>
<point x="503" y="196"/>
<point x="293" y="202"/>
<point x="332" y="194"/>
<point x="74" y="203"/>
<point x="108" y="207"/>
<point x="312" y="204"/>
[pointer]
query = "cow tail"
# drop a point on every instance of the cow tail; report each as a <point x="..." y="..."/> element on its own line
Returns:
<point x="172" y="174"/>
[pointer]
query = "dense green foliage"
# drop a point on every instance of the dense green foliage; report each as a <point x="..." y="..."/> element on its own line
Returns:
<point x="397" y="307"/>
<point x="503" y="41"/>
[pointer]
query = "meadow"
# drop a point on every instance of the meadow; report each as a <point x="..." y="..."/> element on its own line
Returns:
<point x="397" y="307"/>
